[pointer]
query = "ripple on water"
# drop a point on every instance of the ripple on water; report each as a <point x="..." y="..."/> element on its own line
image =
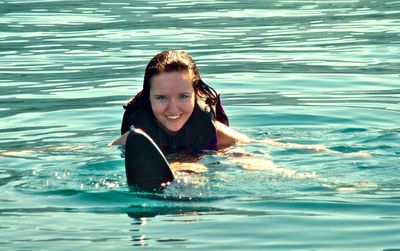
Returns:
<point x="310" y="72"/>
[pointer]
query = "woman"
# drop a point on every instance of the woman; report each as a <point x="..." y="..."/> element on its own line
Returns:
<point x="177" y="109"/>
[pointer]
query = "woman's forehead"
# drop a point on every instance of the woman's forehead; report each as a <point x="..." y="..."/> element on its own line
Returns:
<point x="172" y="82"/>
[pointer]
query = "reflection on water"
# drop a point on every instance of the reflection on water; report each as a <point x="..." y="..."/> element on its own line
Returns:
<point x="308" y="72"/>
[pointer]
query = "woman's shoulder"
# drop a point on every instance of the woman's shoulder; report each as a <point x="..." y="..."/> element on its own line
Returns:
<point x="132" y="116"/>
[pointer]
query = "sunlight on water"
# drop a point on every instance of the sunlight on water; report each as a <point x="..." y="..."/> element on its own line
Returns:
<point x="306" y="72"/>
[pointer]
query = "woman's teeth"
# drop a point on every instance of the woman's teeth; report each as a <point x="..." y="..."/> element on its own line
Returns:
<point x="173" y="116"/>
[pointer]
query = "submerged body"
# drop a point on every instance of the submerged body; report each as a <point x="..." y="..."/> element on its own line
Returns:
<point x="181" y="113"/>
<point x="177" y="112"/>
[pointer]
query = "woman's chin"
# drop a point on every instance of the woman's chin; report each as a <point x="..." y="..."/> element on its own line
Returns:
<point x="174" y="128"/>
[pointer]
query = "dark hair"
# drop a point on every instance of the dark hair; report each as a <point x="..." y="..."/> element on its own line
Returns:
<point x="170" y="61"/>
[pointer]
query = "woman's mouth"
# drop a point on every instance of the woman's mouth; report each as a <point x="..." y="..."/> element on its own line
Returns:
<point x="173" y="117"/>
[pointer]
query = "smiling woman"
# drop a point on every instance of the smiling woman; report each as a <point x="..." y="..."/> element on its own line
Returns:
<point x="175" y="112"/>
<point x="177" y="109"/>
<point x="172" y="99"/>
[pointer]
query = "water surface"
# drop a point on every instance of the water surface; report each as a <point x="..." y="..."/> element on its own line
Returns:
<point x="308" y="72"/>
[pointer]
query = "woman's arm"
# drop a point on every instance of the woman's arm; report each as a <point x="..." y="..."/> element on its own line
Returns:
<point x="315" y="148"/>
<point x="226" y="136"/>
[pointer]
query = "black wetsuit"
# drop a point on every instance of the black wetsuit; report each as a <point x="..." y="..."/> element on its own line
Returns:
<point x="198" y="133"/>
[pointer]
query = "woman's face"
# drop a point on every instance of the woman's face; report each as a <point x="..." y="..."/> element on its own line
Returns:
<point x="172" y="99"/>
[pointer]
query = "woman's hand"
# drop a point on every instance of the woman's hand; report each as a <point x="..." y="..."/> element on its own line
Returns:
<point x="188" y="167"/>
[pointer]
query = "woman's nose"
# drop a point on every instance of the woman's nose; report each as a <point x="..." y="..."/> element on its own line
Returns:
<point x="172" y="106"/>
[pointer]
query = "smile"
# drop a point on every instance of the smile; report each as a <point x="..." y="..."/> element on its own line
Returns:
<point x="173" y="116"/>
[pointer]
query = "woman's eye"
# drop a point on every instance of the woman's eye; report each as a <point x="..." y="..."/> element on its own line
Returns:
<point x="161" y="98"/>
<point x="183" y="97"/>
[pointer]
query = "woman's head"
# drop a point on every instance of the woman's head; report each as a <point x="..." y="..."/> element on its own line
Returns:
<point x="171" y="87"/>
<point x="170" y="61"/>
<point x="172" y="99"/>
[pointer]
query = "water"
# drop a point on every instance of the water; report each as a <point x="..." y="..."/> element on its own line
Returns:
<point x="309" y="72"/>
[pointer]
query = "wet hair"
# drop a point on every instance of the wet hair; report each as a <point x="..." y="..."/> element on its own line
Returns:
<point x="176" y="61"/>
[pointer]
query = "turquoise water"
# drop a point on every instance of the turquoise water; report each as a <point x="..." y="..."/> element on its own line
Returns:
<point x="309" y="72"/>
